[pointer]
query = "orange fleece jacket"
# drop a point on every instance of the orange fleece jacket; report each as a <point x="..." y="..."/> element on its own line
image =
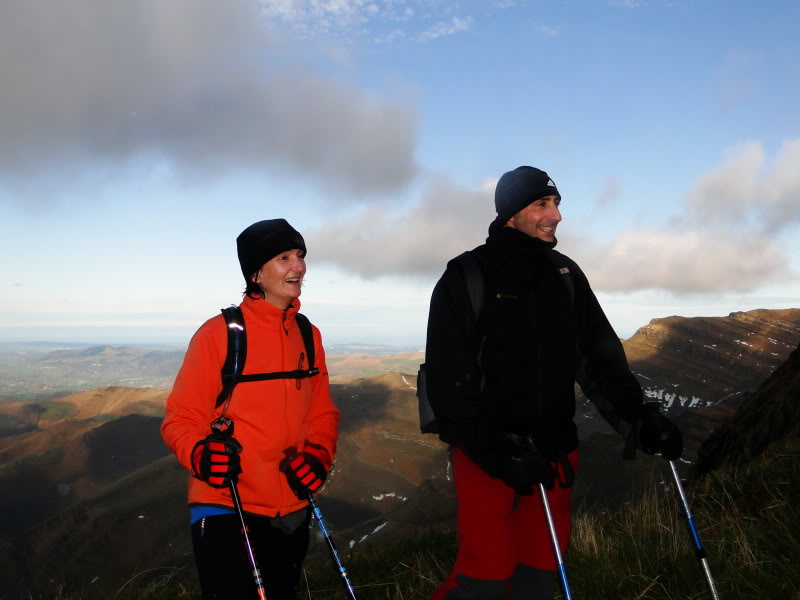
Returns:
<point x="268" y="416"/>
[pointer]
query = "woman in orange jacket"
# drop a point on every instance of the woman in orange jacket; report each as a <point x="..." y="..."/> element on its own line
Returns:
<point x="285" y="432"/>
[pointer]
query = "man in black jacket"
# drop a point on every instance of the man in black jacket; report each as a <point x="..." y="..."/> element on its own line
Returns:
<point x="501" y="385"/>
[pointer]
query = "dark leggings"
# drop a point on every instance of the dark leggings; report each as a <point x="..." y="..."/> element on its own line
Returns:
<point x="224" y="567"/>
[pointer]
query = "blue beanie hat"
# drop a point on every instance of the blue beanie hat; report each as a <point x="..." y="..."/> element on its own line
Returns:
<point x="518" y="188"/>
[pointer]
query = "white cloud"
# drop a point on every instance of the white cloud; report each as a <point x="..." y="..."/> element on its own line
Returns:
<point x="683" y="262"/>
<point x="548" y="31"/>
<point x="310" y="16"/>
<point x="627" y="4"/>
<point x="378" y="241"/>
<point x="723" y="194"/>
<point x="749" y="191"/>
<point x="444" y="28"/>
<point x="781" y="188"/>
<point x="726" y="238"/>
<point x="381" y="21"/>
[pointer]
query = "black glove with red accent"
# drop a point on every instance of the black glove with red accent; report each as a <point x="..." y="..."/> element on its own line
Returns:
<point x="658" y="434"/>
<point x="215" y="460"/>
<point x="305" y="473"/>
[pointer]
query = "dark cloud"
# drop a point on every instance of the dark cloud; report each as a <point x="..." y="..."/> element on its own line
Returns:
<point x="201" y="85"/>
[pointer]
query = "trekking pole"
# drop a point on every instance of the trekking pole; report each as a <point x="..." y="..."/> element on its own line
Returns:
<point x="562" y="572"/>
<point x="223" y="427"/>
<point x="698" y="545"/>
<point x="348" y="586"/>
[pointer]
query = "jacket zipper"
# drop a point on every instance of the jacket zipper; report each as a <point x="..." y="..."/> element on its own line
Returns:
<point x="298" y="381"/>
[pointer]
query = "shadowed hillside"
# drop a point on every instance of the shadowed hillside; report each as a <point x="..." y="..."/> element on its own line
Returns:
<point x="766" y="416"/>
<point x="81" y="444"/>
<point x="135" y="524"/>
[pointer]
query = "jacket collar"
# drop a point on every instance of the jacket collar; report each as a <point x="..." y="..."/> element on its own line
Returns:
<point x="514" y="247"/>
<point x="265" y="312"/>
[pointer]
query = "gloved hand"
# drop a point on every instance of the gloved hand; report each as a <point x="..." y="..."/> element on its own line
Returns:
<point x="522" y="469"/>
<point x="659" y="434"/>
<point x="304" y="471"/>
<point x="215" y="460"/>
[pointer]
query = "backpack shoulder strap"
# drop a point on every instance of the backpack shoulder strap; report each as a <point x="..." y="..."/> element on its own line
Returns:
<point x="237" y="351"/>
<point x="473" y="275"/>
<point x="308" y="337"/>
<point x="237" y="354"/>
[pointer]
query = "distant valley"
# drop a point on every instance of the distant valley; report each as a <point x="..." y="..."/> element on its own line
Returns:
<point x="43" y="371"/>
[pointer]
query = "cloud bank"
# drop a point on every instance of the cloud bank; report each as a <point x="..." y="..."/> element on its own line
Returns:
<point x="724" y="240"/>
<point x="200" y="85"/>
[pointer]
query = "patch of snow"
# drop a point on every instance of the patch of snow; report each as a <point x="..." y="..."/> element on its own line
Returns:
<point x="386" y="495"/>
<point x="379" y="527"/>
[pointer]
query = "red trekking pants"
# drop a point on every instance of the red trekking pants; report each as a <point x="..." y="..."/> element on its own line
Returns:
<point x="503" y="538"/>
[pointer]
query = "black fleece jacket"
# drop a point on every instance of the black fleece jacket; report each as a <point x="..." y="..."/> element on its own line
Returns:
<point x="514" y="370"/>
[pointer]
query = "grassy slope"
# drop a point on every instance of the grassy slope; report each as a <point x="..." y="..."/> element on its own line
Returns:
<point x="748" y="519"/>
<point x="747" y="516"/>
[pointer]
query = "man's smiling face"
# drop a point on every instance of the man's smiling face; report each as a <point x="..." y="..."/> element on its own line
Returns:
<point x="539" y="219"/>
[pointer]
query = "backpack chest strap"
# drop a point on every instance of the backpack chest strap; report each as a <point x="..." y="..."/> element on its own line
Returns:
<point x="296" y="374"/>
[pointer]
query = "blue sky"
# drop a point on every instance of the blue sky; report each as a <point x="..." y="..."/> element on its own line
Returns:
<point x="138" y="138"/>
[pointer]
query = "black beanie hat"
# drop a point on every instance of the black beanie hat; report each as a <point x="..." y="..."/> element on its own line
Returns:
<point x="263" y="241"/>
<point x="518" y="188"/>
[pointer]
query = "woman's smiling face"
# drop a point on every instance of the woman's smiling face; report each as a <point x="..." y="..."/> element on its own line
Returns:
<point x="281" y="277"/>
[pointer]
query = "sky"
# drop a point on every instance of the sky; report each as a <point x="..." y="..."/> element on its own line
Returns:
<point x="138" y="138"/>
